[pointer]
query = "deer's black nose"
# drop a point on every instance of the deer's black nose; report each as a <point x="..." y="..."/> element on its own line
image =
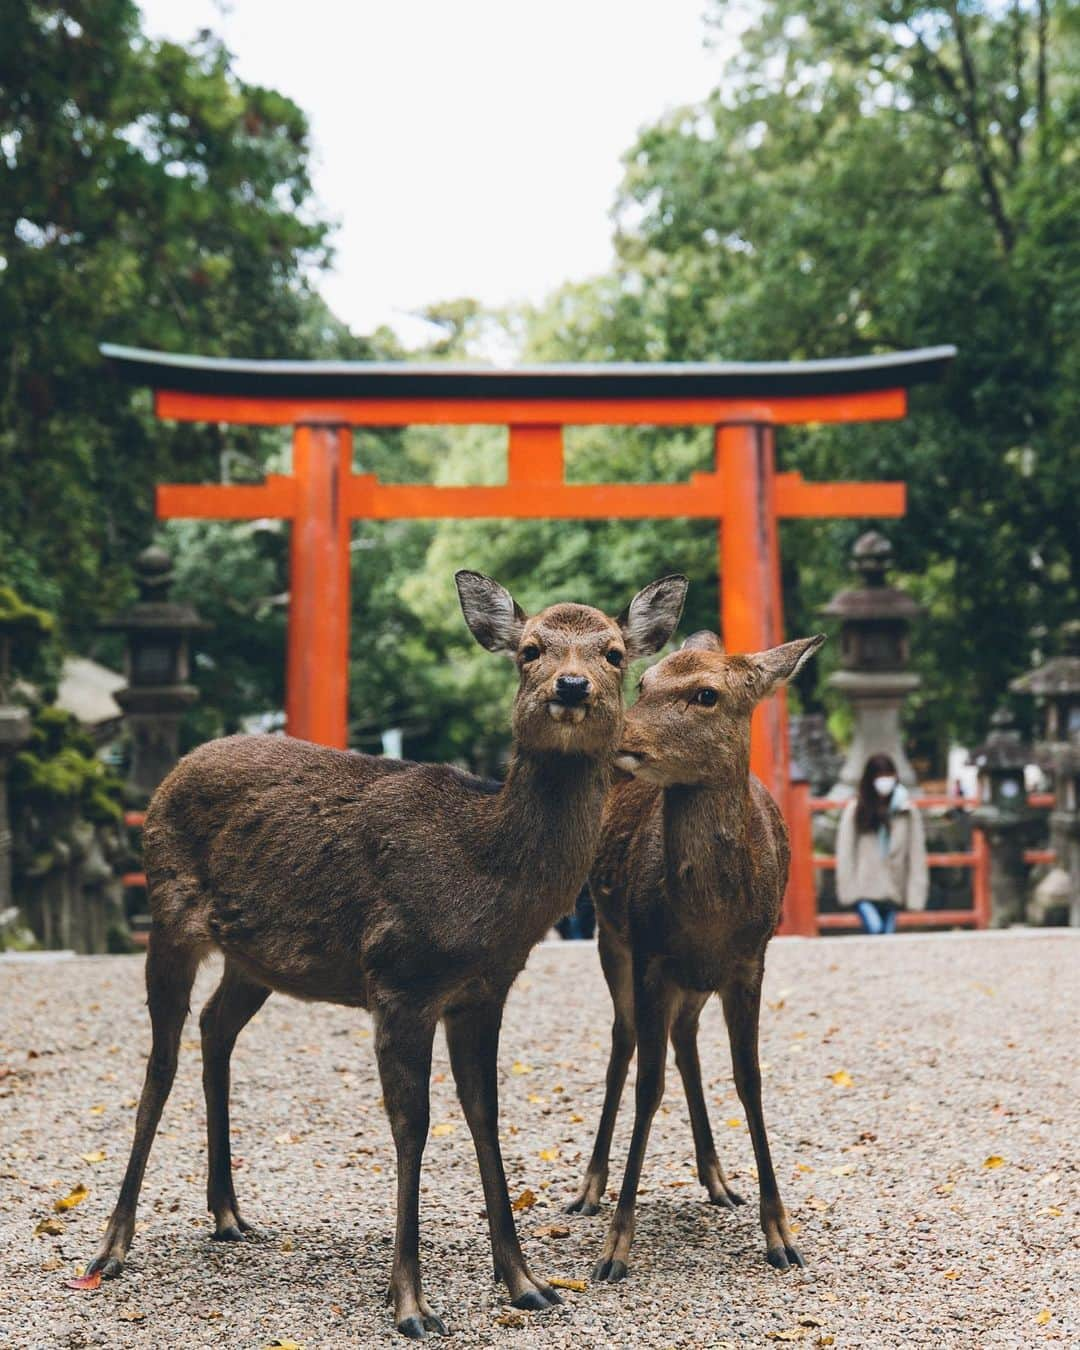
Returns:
<point x="571" y="689"/>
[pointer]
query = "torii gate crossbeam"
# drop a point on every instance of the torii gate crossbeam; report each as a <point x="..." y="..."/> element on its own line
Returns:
<point x="323" y="402"/>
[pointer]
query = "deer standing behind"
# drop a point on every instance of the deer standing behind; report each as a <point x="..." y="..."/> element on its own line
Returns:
<point x="688" y="885"/>
<point x="415" y="891"/>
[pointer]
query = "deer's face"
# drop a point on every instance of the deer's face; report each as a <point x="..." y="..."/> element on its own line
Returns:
<point x="691" y="723"/>
<point x="570" y="659"/>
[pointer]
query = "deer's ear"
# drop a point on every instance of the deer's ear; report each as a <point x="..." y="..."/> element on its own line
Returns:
<point x="494" y="617"/>
<point x="780" y="664"/>
<point x="652" y="616"/>
<point x="703" y="641"/>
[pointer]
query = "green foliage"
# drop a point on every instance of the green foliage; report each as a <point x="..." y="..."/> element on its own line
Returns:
<point x="58" y="768"/>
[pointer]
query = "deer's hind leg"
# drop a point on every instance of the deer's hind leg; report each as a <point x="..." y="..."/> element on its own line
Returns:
<point x="684" y="1033"/>
<point x="618" y="971"/>
<point x="232" y="1005"/>
<point x="170" y="973"/>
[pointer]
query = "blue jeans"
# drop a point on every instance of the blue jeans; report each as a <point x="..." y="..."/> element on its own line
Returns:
<point x="878" y="916"/>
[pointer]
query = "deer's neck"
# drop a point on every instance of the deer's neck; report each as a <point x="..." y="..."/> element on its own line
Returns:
<point x="704" y="839"/>
<point x="544" y="828"/>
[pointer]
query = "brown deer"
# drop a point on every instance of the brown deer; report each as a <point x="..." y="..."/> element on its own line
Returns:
<point x="415" y="891"/>
<point x="688" y="884"/>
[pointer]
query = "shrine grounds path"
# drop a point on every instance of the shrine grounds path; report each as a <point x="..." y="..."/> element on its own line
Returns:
<point x="935" y="1195"/>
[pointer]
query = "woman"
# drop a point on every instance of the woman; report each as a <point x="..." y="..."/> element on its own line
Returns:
<point x="881" y="850"/>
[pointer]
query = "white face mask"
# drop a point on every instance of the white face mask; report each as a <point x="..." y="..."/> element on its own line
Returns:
<point x="884" y="786"/>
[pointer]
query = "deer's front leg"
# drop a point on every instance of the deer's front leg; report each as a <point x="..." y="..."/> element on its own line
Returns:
<point x="742" y="1004"/>
<point x="684" y="1033"/>
<point x="472" y="1036"/>
<point x="652" y="1013"/>
<point x="403" y="1041"/>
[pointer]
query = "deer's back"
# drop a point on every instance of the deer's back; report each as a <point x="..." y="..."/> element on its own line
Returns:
<point x="315" y="869"/>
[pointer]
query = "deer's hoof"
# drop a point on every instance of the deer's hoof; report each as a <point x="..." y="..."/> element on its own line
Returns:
<point x="536" y="1300"/>
<point x="783" y="1258"/>
<point x="230" y="1233"/>
<point x="609" y="1271"/>
<point x="109" y="1266"/>
<point x="582" y="1206"/>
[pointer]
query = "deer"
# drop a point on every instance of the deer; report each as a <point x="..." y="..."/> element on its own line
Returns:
<point x="688" y="885"/>
<point x="415" y="891"/>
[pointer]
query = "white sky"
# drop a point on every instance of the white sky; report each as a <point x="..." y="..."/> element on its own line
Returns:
<point x="465" y="147"/>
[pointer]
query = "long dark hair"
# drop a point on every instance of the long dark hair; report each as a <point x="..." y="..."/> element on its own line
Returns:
<point x="872" y="810"/>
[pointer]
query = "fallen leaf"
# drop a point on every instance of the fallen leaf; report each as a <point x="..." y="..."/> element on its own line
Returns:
<point x="53" y="1263"/>
<point x="287" y="1245"/>
<point x="952" y="1275"/>
<point x="803" y="1167"/>
<point x="525" y="1200"/>
<point x="74" y="1197"/>
<point x="735" y="1122"/>
<point x="946" y="1188"/>
<point x="825" y="1340"/>
<point x="994" y="1160"/>
<point x="49" y="1228"/>
<point x="131" y="1315"/>
<point x="536" y="1099"/>
<point x="85" y="1281"/>
<point x="97" y="1156"/>
<point x="841" y="1078"/>
<point x="1043" y="1317"/>
<point x="575" y="1286"/>
<point x="552" y="1230"/>
<point x="518" y="1067"/>
<point x="549" y="1154"/>
<point x="97" y="1110"/>
<point x="575" y="1119"/>
<point x="279" y="1343"/>
<point x="512" y="1318"/>
<point x="441" y="1131"/>
<point x="1051" y="1212"/>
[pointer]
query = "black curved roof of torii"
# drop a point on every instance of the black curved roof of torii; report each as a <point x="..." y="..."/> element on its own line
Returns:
<point x="627" y="380"/>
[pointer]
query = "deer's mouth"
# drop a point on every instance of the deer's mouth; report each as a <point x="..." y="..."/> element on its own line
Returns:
<point x="569" y="714"/>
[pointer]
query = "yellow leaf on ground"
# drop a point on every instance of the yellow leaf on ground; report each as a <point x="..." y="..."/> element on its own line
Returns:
<point x="49" y="1228"/>
<point x="1043" y="1317"/>
<point x="131" y="1315"/>
<point x="946" y="1188"/>
<point x="74" y="1197"/>
<point x="549" y="1154"/>
<point x="512" y="1318"/>
<point x="952" y="1275"/>
<point x="552" y="1230"/>
<point x="441" y="1131"/>
<point x="97" y="1156"/>
<point x="841" y="1078"/>
<point x="97" y="1110"/>
<point x="575" y="1286"/>
<point x="536" y="1099"/>
<point x="518" y="1067"/>
<point x="575" y="1119"/>
<point x="994" y="1160"/>
<point x="1051" y="1212"/>
<point x="735" y="1122"/>
<point x="525" y="1200"/>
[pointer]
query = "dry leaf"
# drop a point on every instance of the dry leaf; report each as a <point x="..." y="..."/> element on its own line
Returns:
<point x="536" y="1099"/>
<point x="512" y="1318"/>
<point x="74" y="1197"/>
<point x="287" y="1245"/>
<point x="97" y="1110"/>
<point x="552" y="1230"/>
<point x="85" y="1281"/>
<point x="441" y="1131"/>
<point x="549" y="1154"/>
<point x="97" y="1156"/>
<point x="518" y="1067"/>
<point x="952" y="1275"/>
<point x="825" y="1340"/>
<point x="131" y="1315"/>
<point x="841" y="1078"/>
<point x="575" y="1286"/>
<point x="525" y="1200"/>
<point x="1051" y="1212"/>
<point x="1043" y="1317"/>
<point x="575" y="1119"/>
<point x="735" y="1122"/>
<point x="49" y="1228"/>
<point x="994" y="1160"/>
<point x="946" y="1188"/>
<point x="53" y="1263"/>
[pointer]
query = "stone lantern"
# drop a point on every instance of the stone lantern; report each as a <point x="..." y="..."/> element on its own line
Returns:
<point x="19" y="623"/>
<point x="875" y="621"/>
<point x="158" y="666"/>
<point x="1057" y="684"/>
<point x="1003" y="813"/>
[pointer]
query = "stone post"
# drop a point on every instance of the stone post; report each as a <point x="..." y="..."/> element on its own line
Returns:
<point x="1057" y="684"/>
<point x="14" y="732"/>
<point x="1005" y="817"/>
<point x="875" y="619"/>
<point x="157" y="665"/>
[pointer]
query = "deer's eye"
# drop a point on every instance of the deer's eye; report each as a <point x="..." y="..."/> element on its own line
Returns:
<point x="530" y="653"/>
<point x="615" y="657"/>
<point x="706" y="697"/>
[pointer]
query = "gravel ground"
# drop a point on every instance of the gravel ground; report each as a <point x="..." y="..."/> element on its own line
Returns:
<point x="960" y="1050"/>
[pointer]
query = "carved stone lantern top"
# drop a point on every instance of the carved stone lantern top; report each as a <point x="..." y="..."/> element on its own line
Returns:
<point x="1004" y="747"/>
<point x="1058" y="682"/>
<point x="871" y="559"/>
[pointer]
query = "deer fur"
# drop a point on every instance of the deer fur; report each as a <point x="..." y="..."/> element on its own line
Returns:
<point x="413" y="890"/>
<point x="688" y="884"/>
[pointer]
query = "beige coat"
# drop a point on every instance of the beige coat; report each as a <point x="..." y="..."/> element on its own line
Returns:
<point x="862" y="873"/>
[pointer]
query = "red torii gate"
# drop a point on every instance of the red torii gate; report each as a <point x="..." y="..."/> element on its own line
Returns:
<point x="323" y="402"/>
